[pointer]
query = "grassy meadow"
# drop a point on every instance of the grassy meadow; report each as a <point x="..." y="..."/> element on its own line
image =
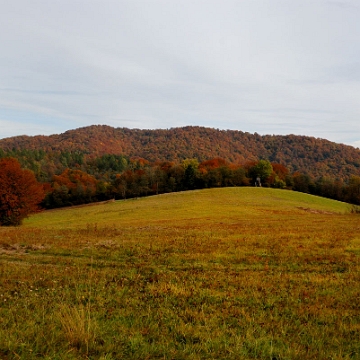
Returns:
<point x="232" y="273"/>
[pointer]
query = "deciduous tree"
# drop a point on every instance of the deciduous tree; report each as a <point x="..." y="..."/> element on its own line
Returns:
<point x="262" y="170"/>
<point x="20" y="193"/>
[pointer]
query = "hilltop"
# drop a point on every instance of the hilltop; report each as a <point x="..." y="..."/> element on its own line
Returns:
<point x="310" y="155"/>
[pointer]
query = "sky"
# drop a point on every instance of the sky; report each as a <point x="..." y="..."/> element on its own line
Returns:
<point x="267" y="66"/>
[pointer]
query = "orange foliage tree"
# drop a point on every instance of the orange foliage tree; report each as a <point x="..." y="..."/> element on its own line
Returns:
<point x="279" y="176"/>
<point x="20" y="193"/>
<point x="71" y="187"/>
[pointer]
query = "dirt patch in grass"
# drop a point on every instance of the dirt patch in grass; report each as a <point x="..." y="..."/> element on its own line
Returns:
<point x="314" y="211"/>
<point x="19" y="248"/>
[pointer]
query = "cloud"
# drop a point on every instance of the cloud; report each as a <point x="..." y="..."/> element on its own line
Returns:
<point x="259" y="66"/>
<point x="356" y="144"/>
<point x="26" y="127"/>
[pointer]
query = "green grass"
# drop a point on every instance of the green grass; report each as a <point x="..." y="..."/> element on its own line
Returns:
<point x="213" y="203"/>
<point x="235" y="273"/>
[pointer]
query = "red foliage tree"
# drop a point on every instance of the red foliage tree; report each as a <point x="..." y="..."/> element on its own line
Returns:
<point x="213" y="164"/>
<point x="20" y="193"/>
<point x="279" y="175"/>
<point x="71" y="187"/>
<point x="280" y="170"/>
<point x="75" y="180"/>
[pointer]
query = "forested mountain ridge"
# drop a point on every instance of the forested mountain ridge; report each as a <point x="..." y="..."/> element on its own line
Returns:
<point x="309" y="155"/>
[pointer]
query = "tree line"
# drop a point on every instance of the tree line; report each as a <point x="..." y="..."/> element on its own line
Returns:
<point x="26" y="187"/>
<point x="142" y="178"/>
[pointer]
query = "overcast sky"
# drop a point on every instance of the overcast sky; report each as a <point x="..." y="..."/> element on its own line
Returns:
<point x="266" y="66"/>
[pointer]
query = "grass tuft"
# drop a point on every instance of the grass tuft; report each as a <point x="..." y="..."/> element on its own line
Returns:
<point x="78" y="327"/>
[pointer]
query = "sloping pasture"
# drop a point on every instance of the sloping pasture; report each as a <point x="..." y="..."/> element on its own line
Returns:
<point x="234" y="273"/>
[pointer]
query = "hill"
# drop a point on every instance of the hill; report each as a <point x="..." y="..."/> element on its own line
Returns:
<point x="210" y="205"/>
<point x="232" y="273"/>
<point x="309" y="155"/>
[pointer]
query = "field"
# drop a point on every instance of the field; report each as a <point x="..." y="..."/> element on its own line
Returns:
<point x="234" y="273"/>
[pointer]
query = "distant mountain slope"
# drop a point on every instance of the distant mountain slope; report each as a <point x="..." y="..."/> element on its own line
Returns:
<point x="317" y="157"/>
